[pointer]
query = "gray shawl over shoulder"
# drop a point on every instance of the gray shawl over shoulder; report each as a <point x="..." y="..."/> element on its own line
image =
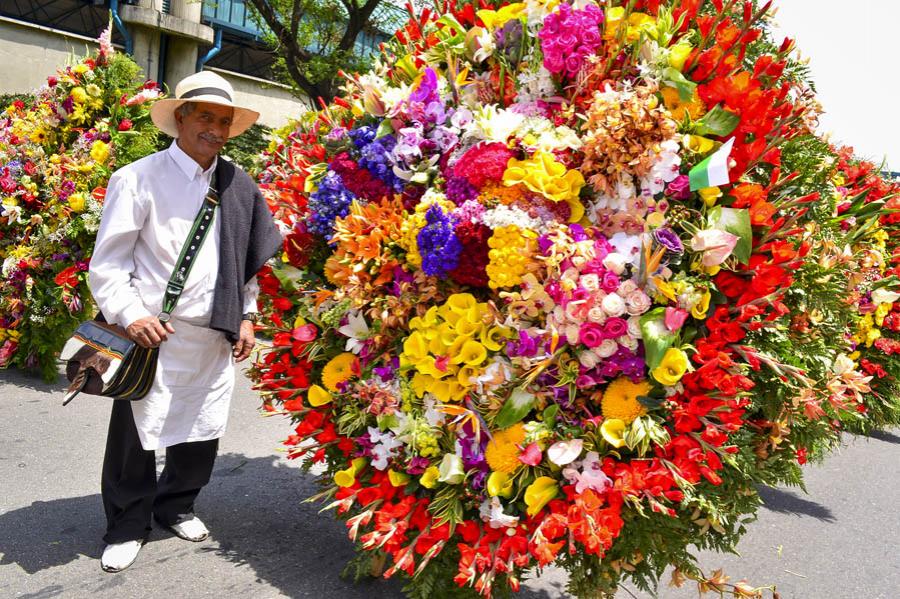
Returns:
<point x="248" y="239"/>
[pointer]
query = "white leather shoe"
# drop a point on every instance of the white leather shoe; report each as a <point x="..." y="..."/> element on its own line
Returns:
<point x="118" y="556"/>
<point x="191" y="530"/>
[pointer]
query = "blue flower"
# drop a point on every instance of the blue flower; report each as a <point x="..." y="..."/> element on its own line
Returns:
<point x="330" y="201"/>
<point x="374" y="155"/>
<point x="438" y="244"/>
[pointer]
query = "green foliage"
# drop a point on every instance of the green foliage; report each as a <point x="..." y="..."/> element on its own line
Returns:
<point x="245" y="149"/>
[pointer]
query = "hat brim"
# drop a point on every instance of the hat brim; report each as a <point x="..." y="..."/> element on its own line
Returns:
<point x="163" y="114"/>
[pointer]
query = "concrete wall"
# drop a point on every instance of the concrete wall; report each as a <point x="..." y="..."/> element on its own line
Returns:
<point x="30" y="53"/>
<point x="273" y="101"/>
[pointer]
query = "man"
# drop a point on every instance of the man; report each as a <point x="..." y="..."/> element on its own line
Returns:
<point x="149" y="210"/>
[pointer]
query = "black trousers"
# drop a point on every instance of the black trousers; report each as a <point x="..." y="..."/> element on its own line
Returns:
<point x="131" y="493"/>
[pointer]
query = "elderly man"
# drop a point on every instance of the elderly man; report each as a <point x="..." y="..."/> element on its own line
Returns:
<point x="149" y="213"/>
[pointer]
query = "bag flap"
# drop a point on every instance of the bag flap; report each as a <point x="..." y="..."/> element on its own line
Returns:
<point x="99" y="346"/>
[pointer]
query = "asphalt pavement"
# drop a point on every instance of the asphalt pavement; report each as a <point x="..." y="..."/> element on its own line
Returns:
<point x="840" y="541"/>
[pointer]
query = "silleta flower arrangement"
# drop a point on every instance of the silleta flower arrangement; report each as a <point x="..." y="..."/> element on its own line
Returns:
<point x="562" y="284"/>
<point x="57" y="150"/>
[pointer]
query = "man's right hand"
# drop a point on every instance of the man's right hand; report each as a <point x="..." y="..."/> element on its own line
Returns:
<point x="149" y="332"/>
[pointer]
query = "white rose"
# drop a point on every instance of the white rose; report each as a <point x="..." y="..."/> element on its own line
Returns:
<point x="613" y="304"/>
<point x="591" y="282"/>
<point x="634" y="327"/>
<point x="615" y="262"/>
<point x="588" y="359"/>
<point x="628" y="341"/>
<point x="637" y="302"/>
<point x="607" y="348"/>
<point x="597" y="315"/>
<point x="627" y="287"/>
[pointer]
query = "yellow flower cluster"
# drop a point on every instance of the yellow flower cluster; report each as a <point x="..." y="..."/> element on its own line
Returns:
<point x="543" y="174"/>
<point x="637" y="23"/>
<point x="620" y="400"/>
<point x="449" y="346"/>
<point x="502" y="453"/>
<point x="12" y="334"/>
<point x="510" y="255"/>
<point x="867" y="333"/>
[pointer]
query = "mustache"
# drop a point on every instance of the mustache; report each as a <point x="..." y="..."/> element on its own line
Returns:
<point x="213" y="139"/>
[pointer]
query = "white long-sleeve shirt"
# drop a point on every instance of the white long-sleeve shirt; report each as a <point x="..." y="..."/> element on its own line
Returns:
<point x="149" y="209"/>
<point x="148" y="212"/>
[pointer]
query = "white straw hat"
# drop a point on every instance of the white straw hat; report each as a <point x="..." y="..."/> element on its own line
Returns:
<point x="204" y="86"/>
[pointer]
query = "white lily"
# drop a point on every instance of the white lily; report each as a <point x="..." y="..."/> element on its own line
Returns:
<point x="356" y="330"/>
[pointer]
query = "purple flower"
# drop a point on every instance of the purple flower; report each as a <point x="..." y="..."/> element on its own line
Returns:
<point x="680" y="188"/>
<point x="527" y="345"/>
<point x="669" y="240"/>
<point x="438" y="243"/>
<point x="459" y="190"/>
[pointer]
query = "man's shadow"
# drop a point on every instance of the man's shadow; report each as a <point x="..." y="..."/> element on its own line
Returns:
<point x="254" y="508"/>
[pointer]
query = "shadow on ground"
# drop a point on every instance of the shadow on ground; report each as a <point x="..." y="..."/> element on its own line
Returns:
<point x="253" y="506"/>
<point x="32" y="380"/>
<point x="786" y="502"/>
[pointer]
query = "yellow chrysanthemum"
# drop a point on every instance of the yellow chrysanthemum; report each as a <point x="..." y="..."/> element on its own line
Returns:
<point x="502" y="452"/>
<point x="338" y="370"/>
<point x="620" y="400"/>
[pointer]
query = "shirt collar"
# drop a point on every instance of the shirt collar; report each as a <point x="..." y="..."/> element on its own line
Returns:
<point x="188" y="165"/>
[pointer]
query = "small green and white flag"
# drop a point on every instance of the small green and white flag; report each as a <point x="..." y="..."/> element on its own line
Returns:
<point x="713" y="170"/>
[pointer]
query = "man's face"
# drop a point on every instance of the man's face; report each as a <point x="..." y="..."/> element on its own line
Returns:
<point x="203" y="132"/>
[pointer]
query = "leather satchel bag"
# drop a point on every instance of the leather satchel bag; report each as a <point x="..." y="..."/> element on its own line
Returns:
<point x="100" y="357"/>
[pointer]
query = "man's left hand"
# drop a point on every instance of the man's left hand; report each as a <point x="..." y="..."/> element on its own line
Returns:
<point x="245" y="342"/>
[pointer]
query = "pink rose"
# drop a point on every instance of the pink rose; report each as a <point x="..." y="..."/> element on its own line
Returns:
<point x="610" y="282"/>
<point x="615" y="327"/>
<point x="637" y="303"/>
<point x="591" y="334"/>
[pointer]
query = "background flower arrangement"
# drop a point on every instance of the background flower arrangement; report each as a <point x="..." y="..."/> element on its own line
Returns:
<point x="57" y="150"/>
<point x="563" y="282"/>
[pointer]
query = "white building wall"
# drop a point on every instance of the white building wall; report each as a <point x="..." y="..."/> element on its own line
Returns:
<point x="30" y="53"/>
<point x="273" y="101"/>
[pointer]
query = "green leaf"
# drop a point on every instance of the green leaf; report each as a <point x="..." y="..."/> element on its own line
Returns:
<point x="385" y="128"/>
<point x="717" y="121"/>
<point x="673" y="78"/>
<point x="289" y="276"/>
<point x="737" y="222"/>
<point x="657" y="338"/>
<point x="517" y="406"/>
<point x="550" y="414"/>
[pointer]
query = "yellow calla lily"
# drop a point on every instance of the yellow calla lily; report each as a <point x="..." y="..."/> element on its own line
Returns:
<point x="499" y="484"/>
<point x="612" y="431"/>
<point x="318" y="396"/>
<point x="398" y="479"/>
<point x="539" y="493"/>
<point x="672" y="367"/>
<point x="702" y="307"/>
<point x="429" y="477"/>
<point x="709" y="195"/>
<point x="347" y="476"/>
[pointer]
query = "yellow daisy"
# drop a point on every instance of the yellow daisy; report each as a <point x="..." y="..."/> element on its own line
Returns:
<point x="338" y="370"/>
<point x="620" y="400"/>
<point x="502" y="452"/>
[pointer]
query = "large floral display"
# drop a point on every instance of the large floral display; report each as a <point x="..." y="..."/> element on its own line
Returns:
<point x="57" y="150"/>
<point x="563" y="282"/>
